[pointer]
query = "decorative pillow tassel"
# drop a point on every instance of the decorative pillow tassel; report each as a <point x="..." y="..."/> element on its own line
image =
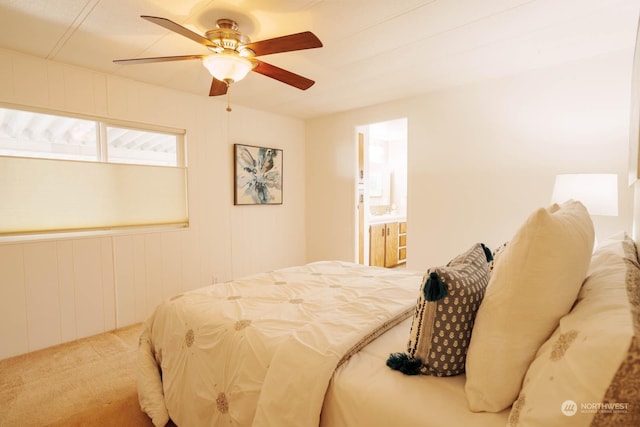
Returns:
<point x="434" y="288"/>
<point x="404" y="363"/>
<point x="487" y="253"/>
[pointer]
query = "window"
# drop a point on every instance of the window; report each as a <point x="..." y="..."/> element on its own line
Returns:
<point x="60" y="173"/>
<point x="141" y="147"/>
<point x="23" y="133"/>
<point x="31" y="134"/>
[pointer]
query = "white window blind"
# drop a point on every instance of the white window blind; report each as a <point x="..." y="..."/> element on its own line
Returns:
<point x="44" y="195"/>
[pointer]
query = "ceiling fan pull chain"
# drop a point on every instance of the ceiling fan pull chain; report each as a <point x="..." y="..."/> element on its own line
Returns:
<point x="228" y="103"/>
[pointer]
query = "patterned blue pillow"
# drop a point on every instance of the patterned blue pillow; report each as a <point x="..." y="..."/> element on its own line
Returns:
<point x="444" y="316"/>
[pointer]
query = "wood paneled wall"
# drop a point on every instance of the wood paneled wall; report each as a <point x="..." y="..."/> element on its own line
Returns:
<point x="61" y="289"/>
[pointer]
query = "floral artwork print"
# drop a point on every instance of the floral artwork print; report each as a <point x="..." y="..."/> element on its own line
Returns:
<point x="258" y="175"/>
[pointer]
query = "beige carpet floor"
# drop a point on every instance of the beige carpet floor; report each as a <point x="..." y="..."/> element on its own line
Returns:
<point x="89" y="382"/>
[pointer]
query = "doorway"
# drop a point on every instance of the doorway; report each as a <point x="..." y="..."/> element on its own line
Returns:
<point x="381" y="189"/>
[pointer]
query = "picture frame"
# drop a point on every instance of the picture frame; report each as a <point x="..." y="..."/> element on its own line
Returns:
<point x="257" y="175"/>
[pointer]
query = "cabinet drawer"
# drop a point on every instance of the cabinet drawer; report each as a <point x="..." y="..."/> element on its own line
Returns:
<point x="402" y="254"/>
<point x="403" y="227"/>
<point x="403" y="240"/>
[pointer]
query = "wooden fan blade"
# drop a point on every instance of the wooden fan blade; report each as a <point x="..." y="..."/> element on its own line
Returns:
<point x="284" y="76"/>
<point x="218" y="88"/>
<point x="157" y="59"/>
<point x="299" y="41"/>
<point x="177" y="28"/>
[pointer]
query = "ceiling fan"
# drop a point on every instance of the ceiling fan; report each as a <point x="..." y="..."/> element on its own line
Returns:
<point x="233" y="55"/>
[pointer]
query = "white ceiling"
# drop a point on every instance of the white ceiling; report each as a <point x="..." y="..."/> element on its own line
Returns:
<point x="374" y="50"/>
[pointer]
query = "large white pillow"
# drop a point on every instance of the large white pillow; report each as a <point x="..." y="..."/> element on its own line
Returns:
<point x="588" y="372"/>
<point x="534" y="283"/>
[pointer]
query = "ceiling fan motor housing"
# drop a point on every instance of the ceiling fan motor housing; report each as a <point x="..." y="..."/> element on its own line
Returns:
<point x="227" y="37"/>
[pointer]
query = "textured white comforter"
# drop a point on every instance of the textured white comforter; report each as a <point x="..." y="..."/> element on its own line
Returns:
<point x="261" y="351"/>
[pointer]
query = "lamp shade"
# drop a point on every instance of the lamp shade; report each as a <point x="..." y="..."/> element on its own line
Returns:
<point x="597" y="192"/>
<point x="227" y="67"/>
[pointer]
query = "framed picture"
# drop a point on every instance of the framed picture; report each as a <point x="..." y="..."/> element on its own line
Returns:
<point x="258" y="175"/>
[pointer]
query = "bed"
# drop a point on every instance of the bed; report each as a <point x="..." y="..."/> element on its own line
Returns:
<point x="313" y="345"/>
<point x="245" y="352"/>
<point x="365" y="392"/>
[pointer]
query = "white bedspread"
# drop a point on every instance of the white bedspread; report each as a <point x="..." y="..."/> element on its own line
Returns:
<point x="261" y="351"/>
<point x="365" y="392"/>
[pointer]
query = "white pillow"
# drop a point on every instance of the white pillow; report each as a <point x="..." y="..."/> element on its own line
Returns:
<point x="533" y="285"/>
<point x="587" y="373"/>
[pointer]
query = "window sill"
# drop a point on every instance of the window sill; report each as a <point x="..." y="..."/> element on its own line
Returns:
<point x="82" y="234"/>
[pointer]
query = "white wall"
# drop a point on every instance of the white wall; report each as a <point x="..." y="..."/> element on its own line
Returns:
<point x="481" y="157"/>
<point x="53" y="291"/>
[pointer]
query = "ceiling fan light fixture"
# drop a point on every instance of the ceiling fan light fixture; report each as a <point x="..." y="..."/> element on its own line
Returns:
<point x="227" y="67"/>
